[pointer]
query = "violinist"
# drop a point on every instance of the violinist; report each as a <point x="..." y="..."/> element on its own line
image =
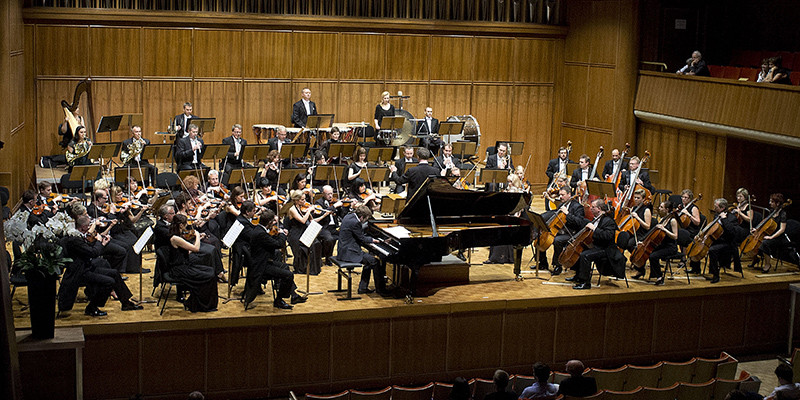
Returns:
<point x="692" y="213"/>
<point x="47" y="198"/>
<point x="161" y="230"/>
<point x="643" y="178"/>
<point x="557" y="165"/>
<point x="140" y="195"/>
<point x="526" y="184"/>
<point x="668" y="246"/>
<point x="124" y="232"/>
<point x="268" y="198"/>
<point x="36" y="213"/>
<point x="115" y="251"/>
<point x="267" y="264"/>
<point x="776" y="241"/>
<point x="232" y="208"/>
<point x="582" y="172"/>
<point x="514" y="184"/>
<point x="210" y="247"/>
<point x="643" y="215"/>
<point x="330" y="224"/>
<point x="214" y="189"/>
<point x="723" y="249"/>
<point x="241" y="247"/>
<point x="89" y="269"/>
<point x="184" y="266"/>
<point x="271" y="166"/>
<point x="415" y="176"/>
<point x="604" y="252"/>
<point x="576" y="220"/>
<point x="363" y="196"/>
<point x="299" y="216"/>
<point x="299" y="183"/>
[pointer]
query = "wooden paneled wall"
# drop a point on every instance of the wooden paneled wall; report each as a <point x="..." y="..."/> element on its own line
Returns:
<point x="251" y="76"/>
<point x="596" y="81"/>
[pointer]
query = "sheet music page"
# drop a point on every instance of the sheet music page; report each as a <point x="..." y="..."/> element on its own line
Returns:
<point x="311" y="232"/>
<point x="139" y="245"/>
<point x="399" y="232"/>
<point x="233" y="233"/>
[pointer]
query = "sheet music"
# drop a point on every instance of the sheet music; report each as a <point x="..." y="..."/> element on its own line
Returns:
<point x="399" y="232"/>
<point x="311" y="232"/>
<point x="139" y="245"/>
<point x="232" y="234"/>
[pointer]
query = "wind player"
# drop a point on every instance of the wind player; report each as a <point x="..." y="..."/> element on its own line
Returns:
<point x="137" y="161"/>
<point x="408" y="157"/>
<point x="189" y="150"/>
<point x="236" y="144"/>
<point x="446" y="162"/>
<point x="303" y="108"/>
<point x="499" y="160"/>
<point x="180" y="124"/>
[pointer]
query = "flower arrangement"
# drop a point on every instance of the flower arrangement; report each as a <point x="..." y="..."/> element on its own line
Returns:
<point x="41" y="253"/>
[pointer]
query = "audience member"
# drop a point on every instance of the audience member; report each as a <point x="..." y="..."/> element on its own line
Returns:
<point x="541" y="389"/>
<point x="460" y="390"/>
<point x="695" y="66"/>
<point x="764" y="70"/>
<point x="777" y="74"/>
<point x="500" y="383"/>
<point x="577" y="385"/>
<point x="742" y="395"/>
<point x="786" y="388"/>
<point x="196" y="395"/>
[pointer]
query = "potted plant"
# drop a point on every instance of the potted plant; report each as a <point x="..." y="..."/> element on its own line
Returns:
<point x="41" y="261"/>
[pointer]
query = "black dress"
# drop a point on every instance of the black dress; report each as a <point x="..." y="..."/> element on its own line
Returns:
<point x="200" y="279"/>
<point x="302" y="253"/>
<point x="380" y="112"/>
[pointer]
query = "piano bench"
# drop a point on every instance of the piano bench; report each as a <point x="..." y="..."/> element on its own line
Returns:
<point x="346" y="271"/>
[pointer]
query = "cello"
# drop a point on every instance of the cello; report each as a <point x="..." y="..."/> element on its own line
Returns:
<point x="550" y="205"/>
<point x="578" y="243"/>
<point x="684" y="218"/>
<point x="653" y="239"/>
<point x="701" y="243"/>
<point x="554" y="224"/>
<point x="767" y="226"/>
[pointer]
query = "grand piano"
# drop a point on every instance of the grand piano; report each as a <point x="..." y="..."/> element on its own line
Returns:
<point x="440" y="219"/>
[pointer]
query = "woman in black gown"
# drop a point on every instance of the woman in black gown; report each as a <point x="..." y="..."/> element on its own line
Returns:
<point x="200" y="279"/>
<point x="384" y="109"/>
<point x="298" y="220"/>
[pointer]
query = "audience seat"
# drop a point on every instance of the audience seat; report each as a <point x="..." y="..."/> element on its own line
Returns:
<point x="523" y="381"/>
<point x="558" y="377"/>
<point x="727" y="368"/>
<point x="665" y="393"/>
<point x="724" y="386"/>
<point x="705" y="369"/>
<point x="481" y="389"/>
<point x="382" y="394"/>
<point x="646" y="376"/>
<point x="338" y="396"/>
<point x="750" y="73"/>
<point x="787" y="59"/>
<point x="730" y="72"/>
<point x="695" y="391"/>
<point x="413" y="393"/>
<point x="609" y="379"/>
<point x="441" y="391"/>
<point x="749" y="383"/>
<point x="715" y="71"/>
<point x="672" y="372"/>
<point x="628" y="394"/>
<point x="795" y="77"/>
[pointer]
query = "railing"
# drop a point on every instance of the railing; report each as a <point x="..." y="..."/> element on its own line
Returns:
<point x="550" y="12"/>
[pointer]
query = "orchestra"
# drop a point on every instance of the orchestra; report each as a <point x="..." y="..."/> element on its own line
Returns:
<point x="583" y="228"/>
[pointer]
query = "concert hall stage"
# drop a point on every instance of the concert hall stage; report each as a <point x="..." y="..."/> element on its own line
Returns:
<point x="325" y="345"/>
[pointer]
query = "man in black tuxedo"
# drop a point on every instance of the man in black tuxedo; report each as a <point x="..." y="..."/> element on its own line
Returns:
<point x="605" y="254"/>
<point x="499" y="160"/>
<point x="576" y="220"/>
<point x="351" y="238"/>
<point x="558" y="165"/>
<point x="303" y="108"/>
<point x="330" y="223"/>
<point x="446" y="161"/>
<point x="236" y="145"/>
<point x="189" y="150"/>
<point x="137" y="161"/>
<point x="181" y="122"/>
<point x="415" y="176"/>
<point x="582" y="172"/>
<point x="616" y="161"/>
<point x="278" y="141"/>
<point x="427" y="127"/>
<point x="408" y="157"/>
<point x="643" y="179"/>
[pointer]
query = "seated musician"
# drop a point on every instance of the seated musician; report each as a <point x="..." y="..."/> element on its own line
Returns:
<point x="236" y="144"/>
<point x="268" y="198"/>
<point x="526" y="184"/>
<point x="557" y="165"/>
<point x="416" y="176"/>
<point x="240" y="249"/>
<point x="214" y="189"/>
<point x="576" y="220"/>
<point x="46" y="199"/>
<point x="267" y="263"/>
<point x="124" y="231"/>
<point x="499" y="160"/>
<point x="604" y="252"/>
<point x="643" y="178"/>
<point x="325" y="147"/>
<point x="772" y="243"/>
<point x="36" y="213"/>
<point x="351" y="238"/>
<point x="131" y="152"/>
<point x="361" y="195"/>
<point x="89" y="269"/>
<point x="116" y="251"/>
<point x="300" y="183"/>
<point x="78" y="149"/>
<point x="189" y="150"/>
<point x="272" y="165"/>
<point x="408" y="157"/>
<point x="210" y="252"/>
<point x="582" y="172"/>
<point x="641" y="212"/>
<point x="446" y="162"/>
<point x="275" y="143"/>
<point x="551" y="195"/>
<point x="139" y="193"/>
<point x="693" y="212"/>
<point x="330" y="223"/>
<point x="187" y="268"/>
<point x="668" y="246"/>
<point x="192" y="188"/>
<point x="161" y="229"/>
<point x="514" y="184"/>
<point x="721" y="252"/>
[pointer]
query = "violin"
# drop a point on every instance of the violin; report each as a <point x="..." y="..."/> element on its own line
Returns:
<point x="38" y="210"/>
<point x="274" y="231"/>
<point x="766" y="227"/>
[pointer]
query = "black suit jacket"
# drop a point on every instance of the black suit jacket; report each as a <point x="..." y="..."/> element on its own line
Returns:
<point x="578" y="174"/>
<point x="351" y="236"/>
<point x="422" y="128"/>
<point x="299" y="115"/>
<point x="644" y="176"/>
<point x="491" y="162"/>
<point x="578" y="386"/>
<point x="127" y="142"/>
<point x="401" y="164"/>
<point x="337" y="215"/>
<point x="603" y="237"/>
<point x="608" y="169"/>
<point x="266" y="245"/>
<point x="235" y="161"/>
<point x="161" y="234"/>
<point x="552" y="168"/>
<point x="184" y="153"/>
<point x="576" y="219"/>
<point x="273" y="143"/>
<point x="81" y="252"/>
<point x="180" y="120"/>
<point x="415" y="177"/>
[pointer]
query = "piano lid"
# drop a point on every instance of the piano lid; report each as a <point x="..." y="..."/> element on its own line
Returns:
<point x="451" y="203"/>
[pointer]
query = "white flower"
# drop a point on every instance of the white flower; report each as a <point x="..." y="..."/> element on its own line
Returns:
<point x="16" y="226"/>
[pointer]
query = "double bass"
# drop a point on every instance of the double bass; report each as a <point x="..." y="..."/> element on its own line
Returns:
<point x="554" y="187"/>
<point x="767" y="226"/>
<point x="627" y="198"/>
<point x="617" y="174"/>
<point x="585" y="198"/>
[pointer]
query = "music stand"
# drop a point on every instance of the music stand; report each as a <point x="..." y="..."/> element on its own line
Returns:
<point x="319" y="121"/>
<point x="329" y="173"/>
<point x="287" y="176"/>
<point x="451" y="128"/>
<point x="410" y="165"/>
<point x="121" y="174"/>
<point x="604" y="190"/>
<point x="165" y="136"/>
<point x="190" y="172"/>
<point x="514" y="148"/>
<point x="376" y="174"/>
<point x="105" y="151"/>
<point x="203" y="124"/>
<point x="130" y="120"/>
<point x="293" y="150"/>
<point x="242" y="176"/>
<point x="379" y="155"/>
<point x="464" y="148"/>
<point x="344" y="150"/>
<point x="493" y="176"/>
<point x="391" y="124"/>
<point x="157" y="151"/>
<point x="539" y="225"/>
<point x="216" y="151"/>
<point x="109" y="123"/>
<point x="81" y="172"/>
<point x="392" y="204"/>
<point x="255" y="152"/>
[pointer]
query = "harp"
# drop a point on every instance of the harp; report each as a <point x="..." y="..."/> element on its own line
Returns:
<point x="69" y="109"/>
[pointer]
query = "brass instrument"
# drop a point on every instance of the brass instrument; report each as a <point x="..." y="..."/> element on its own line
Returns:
<point x="81" y="149"/>
<point x="132" y="150"/>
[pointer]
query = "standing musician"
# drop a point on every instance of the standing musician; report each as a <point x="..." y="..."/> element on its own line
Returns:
<point x="330" y="223"/>
<point x="236" y="145"/>
<point x="189" y="150"/>
<point x="557" y="165"/>
<point x="724" y="248"/>
<point x="668" y="246"/>
<point x="299" y="217"/>
<point x="499" y="160"/>
<point x="582" y="172"/>
<point x="643" y="178"/>
<point x="446" y="162"/>
<point x="351" y="238"/>
<point x="78" y="149"/>
<point x="383" y="109"/>
<point x="303" y="108"/>
<point x="644" y="215"/>
<point x="772" y="243"/>
<point x="693" y="211"/>
<point x="426" y="128"/>
<point x="576" y="220"/>
<point x="615" y="163"/>
<point x="180" y="124"/>
<point x="415" y="176"/>
<point x="604" y="252"/>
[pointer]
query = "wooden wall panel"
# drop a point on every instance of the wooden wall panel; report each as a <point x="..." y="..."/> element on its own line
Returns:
<point x="115" y="51"/>
<point x="411" y="335"/>
<point x="601" y="98"/>
<point x="362" y="56"/>
<point x="324" y="94"/>
<point x="719" y="330"/>
<point x="629" y="328"/>
<point x="531" y="122"/>
<point x="267" y="55"/>
<point x="123" y="350"/>
<point x="15" y="104"/>
<point x="575" y="99"/>
<point x="534" y="60"/>
<point x="491" y="106"/>
<point x="415" y="61"/>
<point x="221" y="100"/>
<point x="520" y="329"/>
<point x="113" y="98"/>
<point x="766" y="311"/>
<point x="451" y="99"/>
<point x="300" y="339"/>
<point x="603" y="47"/>
<point x="472" y="341"/>
<point x="166" y="52"/>
<point x="580" y="333"/>
<point x="49" y="94"/>
<point x="318" y="57"/>
<point x="209" y="61"/>
<point x="265" y="103"/>
<point x="670" y="339"/>
<point x="491" y="60"/>
<point x="418" y="101"/>
<point x="55" y="55"/>
<point x="452" y="58"/>
<point x="162" y="101"/>
<point x="357" y="101"/>
<point x="582" y="29"/>
<point x="247" y="369"/>
<point x="361" y="351"/>
<point x="177" y="351"/>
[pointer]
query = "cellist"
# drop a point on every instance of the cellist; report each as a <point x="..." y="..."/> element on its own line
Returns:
<point x="576" y="220"/>
<point x="604" y="251"/>
<point x="643" y="178"/>
<point x="723" y="249"/>
<point x="691" y="211"/>
<point x="668" y="246"/>
<point x="777" y="240"/>
<point x="643" y="214"/>
<point x="583" y="171"/>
